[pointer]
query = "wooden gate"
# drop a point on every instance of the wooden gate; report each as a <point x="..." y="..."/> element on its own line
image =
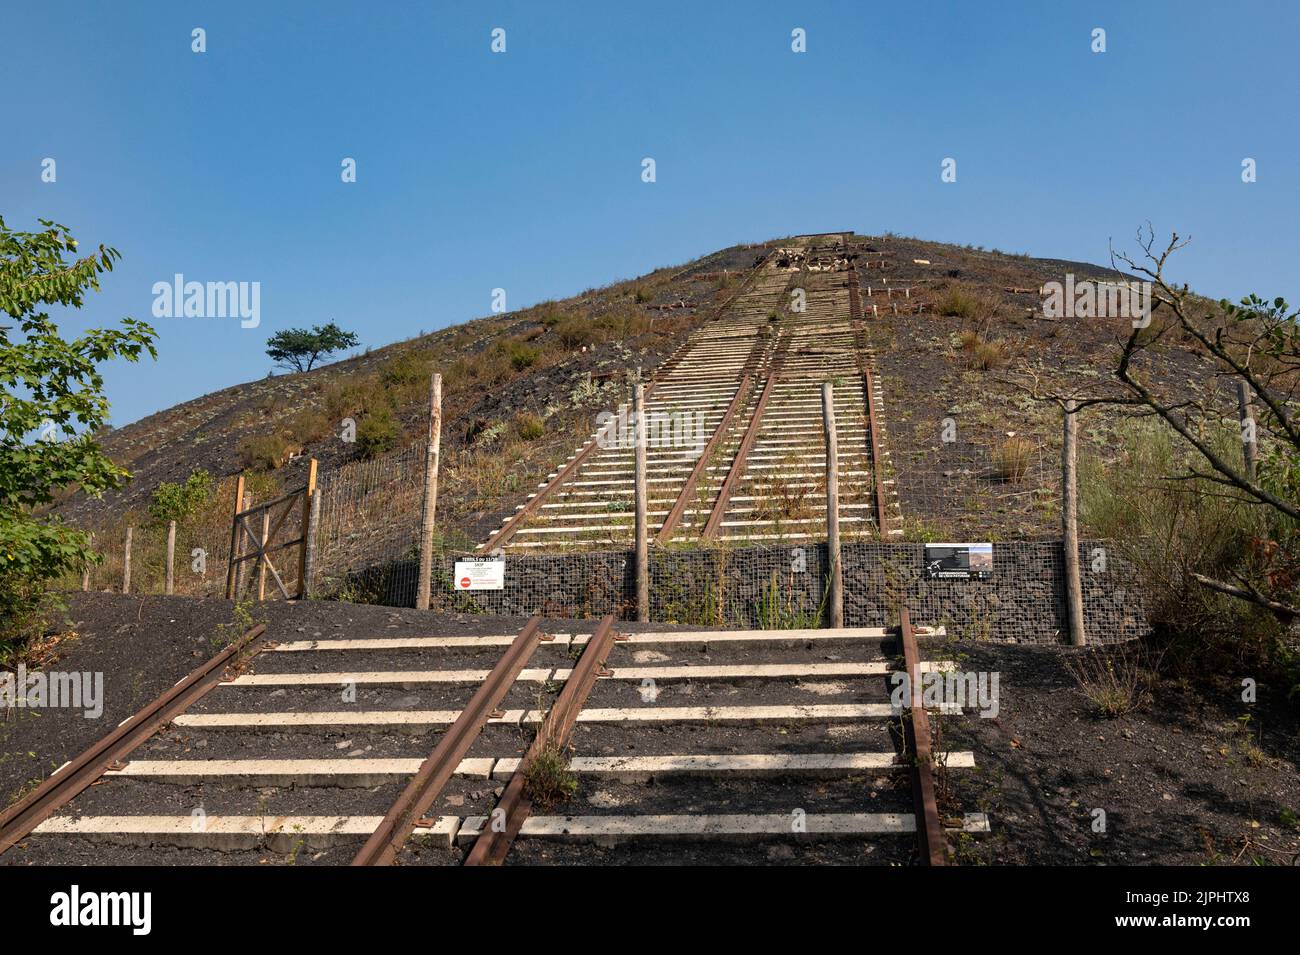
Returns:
<point x="250" y="542"/>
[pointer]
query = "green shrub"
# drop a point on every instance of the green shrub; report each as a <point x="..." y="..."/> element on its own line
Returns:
<point x="353" y="393"/>
<point x="377" y="431"/>
<point x="551" y="314"/>
<point x="405" y="368"/>
<point x="521" y="354"/>
<point x="1166" y="531"/>
<point x="1011" y="459"/>
<point x="308" y="426"/>
<point x="529" y="426"/>
<point x="264" y="452"/>
<point x="26" y="605"/>
<point x="986" y="355"/>
<point x="52" y="388"/>
<point x="1115" y="681"/>
<point x="624" y="323"/>
<point x="575" y="332"/>
<point x="548" y="780"/>
<point x="958" y="303"/>
<point x="179" y="502"/>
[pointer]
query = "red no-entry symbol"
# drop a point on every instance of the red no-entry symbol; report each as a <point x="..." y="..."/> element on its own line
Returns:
<point x="464" y="582"/>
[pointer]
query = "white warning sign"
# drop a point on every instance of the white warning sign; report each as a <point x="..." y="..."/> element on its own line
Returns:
<point x="485" y="573"/>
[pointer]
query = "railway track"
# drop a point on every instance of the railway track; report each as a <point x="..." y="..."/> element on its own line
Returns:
<point x="736" y="446"/>
<point x="436" y="748"/>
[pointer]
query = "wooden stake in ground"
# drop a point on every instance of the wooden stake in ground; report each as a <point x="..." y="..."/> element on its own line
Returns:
<point x="309" y="547"/>
<point x="126" y="561"/>
<point x="85" y="571"/>
<point x="433" y="445"/>
<point x="1070" y="524"/>
<point x="835" y="581"/>
<point x="261" y="556"/>
<point x="234" y="538"/>
<point x="171" y="558"/>
<point x="1249" y="444"/>
<point x="308" y="526"/>
<point x="641" y="433"/>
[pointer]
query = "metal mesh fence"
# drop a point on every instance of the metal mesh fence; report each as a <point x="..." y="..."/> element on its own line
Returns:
<point x="968" y="490"/>
<point x="784" y="587"/>
<point x="367" y="538"/>
<point x="366" y="527"/>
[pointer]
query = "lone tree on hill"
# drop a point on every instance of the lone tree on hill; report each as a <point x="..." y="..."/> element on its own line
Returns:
<point x="298" y="349"/>
<point x="51" y="404"/>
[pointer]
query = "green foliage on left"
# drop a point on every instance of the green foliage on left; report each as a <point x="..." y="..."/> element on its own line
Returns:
<point x="51" y="405"/>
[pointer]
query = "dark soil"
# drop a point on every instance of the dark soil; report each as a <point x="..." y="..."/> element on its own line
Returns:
<point x="954" y="486"/>
<point x="145" y="644"/>
<point x="1191" y="778"/>
<point x="1183" y="780"/>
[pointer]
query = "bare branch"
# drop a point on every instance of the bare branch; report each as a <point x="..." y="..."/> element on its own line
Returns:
<point x="1284" y="612"/>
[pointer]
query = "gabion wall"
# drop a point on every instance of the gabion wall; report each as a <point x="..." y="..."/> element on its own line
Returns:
<point x="783" y="587"/>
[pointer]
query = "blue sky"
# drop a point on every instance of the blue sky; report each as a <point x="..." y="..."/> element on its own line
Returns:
<point x="522" y="170"/>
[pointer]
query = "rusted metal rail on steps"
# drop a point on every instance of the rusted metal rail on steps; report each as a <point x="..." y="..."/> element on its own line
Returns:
<point x="688" y="489"/>
<point x="877" y="452"/>
<point x="436" y="771"/>
<point x="855" y="294"/>
<point x="507" y="530"/>
<point x="737" y="469"/>
<point x="513" y="809"/>
<point x="929" y="828"/>
<point x="72" y="778"/>
<point x="869" y="386"/>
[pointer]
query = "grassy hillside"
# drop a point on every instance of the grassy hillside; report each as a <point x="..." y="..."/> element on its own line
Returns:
<point x="520" y="390"/>
<point x="523" y="389"/>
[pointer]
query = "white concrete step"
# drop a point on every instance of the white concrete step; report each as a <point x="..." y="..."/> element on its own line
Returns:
<point x="612" y="830"/>
<point x="277" y="833"/>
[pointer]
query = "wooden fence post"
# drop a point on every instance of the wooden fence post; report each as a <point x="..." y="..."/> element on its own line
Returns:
<point x="126" y="561"/>
<point x="1070" y="525"/>
<point x="309" y="545"/>
<point x="171" y="557"/>
<point x="1249" y="448"/>
<point x="835" y="583"/>
<point x="85" y="571"/>
<point x="234" y="538"/>
<point x="641" y="433"/>
<point x="261" y="557"/>
<point x="308" y="527"/>
<point x="433" y="445"/>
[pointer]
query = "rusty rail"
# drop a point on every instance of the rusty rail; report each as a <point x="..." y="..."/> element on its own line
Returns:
<point x="684" y="498"/>
<point x="66" y="782"/>
<point x="436" y="771"/>
<point x="507" y="530"/>
<point x="855" y="291"/>
<point x="934" y="847"/>
<point x="873" y="432"/>
<point x="493" y="843"/>
<point x="737" y="468"/>
<point x="877" y="456"/>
